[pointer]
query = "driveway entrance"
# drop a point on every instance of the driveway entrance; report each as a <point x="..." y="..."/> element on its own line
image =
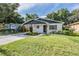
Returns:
<point x="10" y="38"/>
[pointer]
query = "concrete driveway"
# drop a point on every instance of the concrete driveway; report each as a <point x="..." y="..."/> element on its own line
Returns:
<point x="10" y="38"/>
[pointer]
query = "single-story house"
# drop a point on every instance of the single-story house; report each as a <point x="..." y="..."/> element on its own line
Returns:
<point x="41" y="25"/>
<point x="74" y="26"/>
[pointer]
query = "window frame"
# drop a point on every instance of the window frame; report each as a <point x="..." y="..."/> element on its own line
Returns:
<point x="52" y="27"/>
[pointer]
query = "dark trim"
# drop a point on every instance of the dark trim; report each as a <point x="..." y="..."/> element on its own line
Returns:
<point x="41" y="21"/>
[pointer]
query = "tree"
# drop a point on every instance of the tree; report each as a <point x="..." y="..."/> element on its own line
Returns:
<point x="8" y="13"/>
<point x="14" y="18"/>
<point x="75" y="12"/>
<point x="7" y="9"/>
<point x="31" y="16"/>
<point x="63" y="15"/>
<point x="60" y="15"/>
<point x="53" y="16"/>
<point x="74" y="16"/>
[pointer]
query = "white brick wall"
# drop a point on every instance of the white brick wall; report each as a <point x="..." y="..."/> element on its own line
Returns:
<point x="59" y="27"/>
<point x="40" y="29"/>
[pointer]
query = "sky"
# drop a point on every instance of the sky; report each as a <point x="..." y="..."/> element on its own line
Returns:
<point x="42" y="9"/>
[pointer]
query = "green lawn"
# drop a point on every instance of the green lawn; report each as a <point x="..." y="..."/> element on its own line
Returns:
<point x="50" y="45"/>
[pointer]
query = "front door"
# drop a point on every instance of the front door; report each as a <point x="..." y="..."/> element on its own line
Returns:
<point x="45" y="28"/>
<point x="31" y="29"/>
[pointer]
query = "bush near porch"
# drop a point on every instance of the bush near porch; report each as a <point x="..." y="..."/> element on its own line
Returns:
<point x="68" y="31"/>
<point x="32" y="33"/>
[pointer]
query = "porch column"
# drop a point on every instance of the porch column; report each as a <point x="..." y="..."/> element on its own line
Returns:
<point x="47" y="28"/>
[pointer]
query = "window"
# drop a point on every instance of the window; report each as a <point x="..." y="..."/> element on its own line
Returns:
<point x="37" y="26"/>
<point x="53" y="27"/>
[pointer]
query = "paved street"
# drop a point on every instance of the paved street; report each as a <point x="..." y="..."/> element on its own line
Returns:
<point x="10" y="38"/>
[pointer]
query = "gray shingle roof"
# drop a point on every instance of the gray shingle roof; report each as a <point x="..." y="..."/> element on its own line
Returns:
<point x="35" y="22"/>
<point x="48" y="20"/>
<point x="41" y="21"/>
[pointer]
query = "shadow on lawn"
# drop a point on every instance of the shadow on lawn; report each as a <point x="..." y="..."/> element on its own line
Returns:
<point x="5" y="52"/>
<point x="74" y="40"/>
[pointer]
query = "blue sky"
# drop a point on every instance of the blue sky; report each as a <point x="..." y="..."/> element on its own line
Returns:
<point x="43" y="9"/>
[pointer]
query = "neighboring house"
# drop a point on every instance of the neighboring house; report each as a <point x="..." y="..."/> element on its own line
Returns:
<point x="13" y="26"/>
<point x="42" y="25"/>
<point x="74" y="26"/>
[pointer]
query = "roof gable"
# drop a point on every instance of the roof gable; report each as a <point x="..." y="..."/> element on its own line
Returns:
<point x="41" y="21"/>
<point x="35" y="22"/>
<point x="48" y="20"/>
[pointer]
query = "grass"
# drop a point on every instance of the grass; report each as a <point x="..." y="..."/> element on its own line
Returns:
<point x="46" y="45"/>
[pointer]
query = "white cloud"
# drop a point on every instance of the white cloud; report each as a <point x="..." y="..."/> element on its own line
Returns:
<point x="42" y="16"/>
<point x="25" y="6"/>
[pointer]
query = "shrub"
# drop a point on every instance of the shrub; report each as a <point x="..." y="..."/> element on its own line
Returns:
<point x="32" y="33"/>
<point x="68" y="32"/>
<point x="60" y="32"/>
<point x="75" y="34"/>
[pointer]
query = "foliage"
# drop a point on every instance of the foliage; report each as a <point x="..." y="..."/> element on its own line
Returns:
<point x="7" y="8"/>
<point x="31" y="16"/>
<point x="53" y="45"/>
<point x="65" y="15"/>
<point x="14" y="18"/>
<point x="8" y="13"/>
<point x="68" y="32"/>
<point x="32" y="33"/>
<point x="53" y="16"/>
<point x="75" y="16"/>
<point x="75" y="11"/>
<point x="60" y="15"/>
